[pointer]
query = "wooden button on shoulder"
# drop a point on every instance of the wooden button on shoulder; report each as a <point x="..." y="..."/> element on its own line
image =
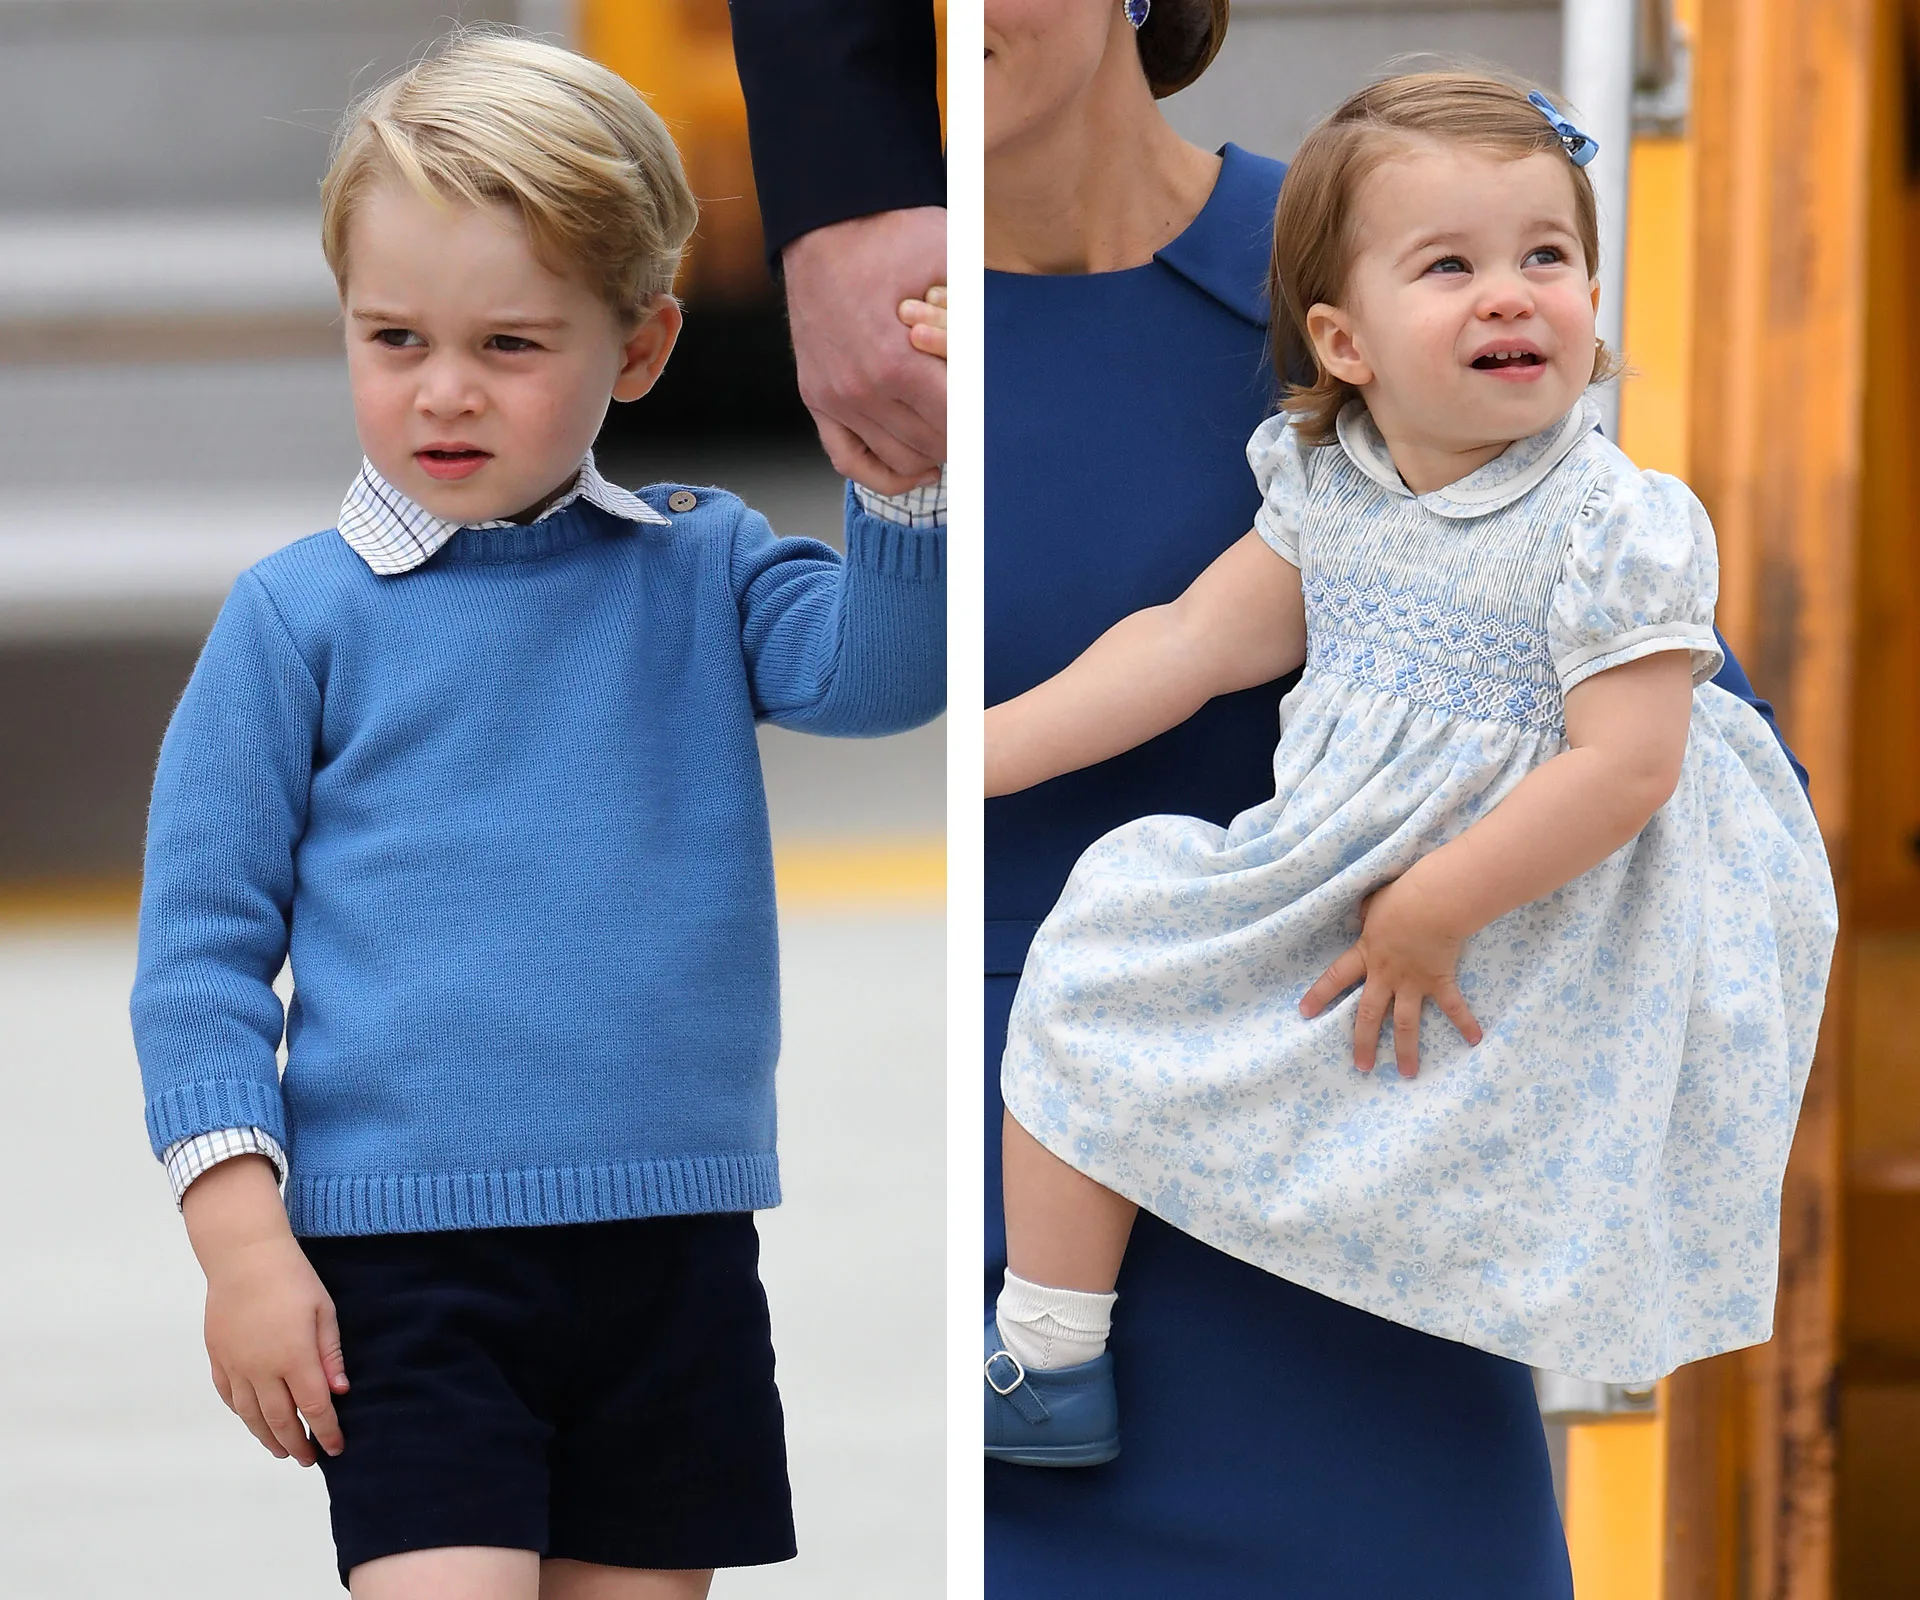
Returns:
<point x="682" y="500"/>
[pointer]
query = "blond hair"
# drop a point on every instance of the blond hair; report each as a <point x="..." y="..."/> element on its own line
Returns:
<point x="1313" y="227"/>
<point x="493" y="118"/>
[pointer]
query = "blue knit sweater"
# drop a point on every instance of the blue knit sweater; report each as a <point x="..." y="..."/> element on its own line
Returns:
<point x="505" y="814"/>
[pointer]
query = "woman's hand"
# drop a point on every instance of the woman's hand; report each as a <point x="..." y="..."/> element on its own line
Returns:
<point x="272" y="1337"/>
<point x="1406" y="951"/>
<point x="926" y="321"/>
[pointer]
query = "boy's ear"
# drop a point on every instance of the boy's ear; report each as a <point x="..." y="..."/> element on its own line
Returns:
<point x="644" y="355"/>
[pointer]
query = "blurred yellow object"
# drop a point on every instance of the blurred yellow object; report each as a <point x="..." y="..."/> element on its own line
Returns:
<point x="888" y="875"/>
<point x="903" y="875"/>
<point x="1660" y="279"/>
<point x="1616" y="1500"/>
<point x="679" y="54"/>
<point x="70" y="900"/>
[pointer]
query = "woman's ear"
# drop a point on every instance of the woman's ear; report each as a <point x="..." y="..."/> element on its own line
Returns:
<point x="1335" y="346"/>
<point x="644" y="354"/>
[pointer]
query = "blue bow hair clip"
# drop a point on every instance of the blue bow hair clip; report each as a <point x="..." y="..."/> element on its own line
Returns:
<point x="1581" y="147"/>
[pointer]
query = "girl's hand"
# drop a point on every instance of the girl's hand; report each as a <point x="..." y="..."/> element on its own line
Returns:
<point x="1406" y="951"/>
<point x="926" y="321"/>
<point x="272" y="1337"/>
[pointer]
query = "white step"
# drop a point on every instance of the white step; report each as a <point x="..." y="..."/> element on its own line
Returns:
<point x="99" y="566"/>
<point x="158" y="103"/>
<point x="147" y="264"/>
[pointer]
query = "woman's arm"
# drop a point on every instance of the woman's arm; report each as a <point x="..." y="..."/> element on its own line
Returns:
<point x="1733" y="678"/>
<point x="1626" y="738"/>
<point x="1240" y="623"/>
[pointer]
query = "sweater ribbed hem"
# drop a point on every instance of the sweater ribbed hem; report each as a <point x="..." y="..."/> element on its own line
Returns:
<point x="917" y="554"/>
<point x="196" y="1108"/>
<point x="432" y="1202"/>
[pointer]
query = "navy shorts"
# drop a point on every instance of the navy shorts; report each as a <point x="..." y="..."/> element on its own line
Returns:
<point x="599" y="1391"/>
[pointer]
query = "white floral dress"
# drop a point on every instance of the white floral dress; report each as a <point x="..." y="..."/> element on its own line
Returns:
<point x="1595" y="1187"/>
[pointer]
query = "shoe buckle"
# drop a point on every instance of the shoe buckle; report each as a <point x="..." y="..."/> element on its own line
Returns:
<point x="1019" y="1372"/>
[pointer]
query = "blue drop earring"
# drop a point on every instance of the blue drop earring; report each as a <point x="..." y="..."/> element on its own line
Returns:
<point x="1136" y="11"/>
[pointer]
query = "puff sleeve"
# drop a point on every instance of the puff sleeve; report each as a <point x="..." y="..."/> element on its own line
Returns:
<point x="1640" y="576"/>
<point x="1279" y="467"/>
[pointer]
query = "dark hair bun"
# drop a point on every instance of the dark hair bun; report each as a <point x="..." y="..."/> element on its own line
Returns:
<point x="1178" y="42"/>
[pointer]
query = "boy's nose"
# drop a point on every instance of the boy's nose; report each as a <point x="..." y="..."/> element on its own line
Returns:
<point x="448" y="389"/>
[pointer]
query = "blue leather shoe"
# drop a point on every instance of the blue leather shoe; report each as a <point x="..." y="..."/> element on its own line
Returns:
<point x="1067" y="1417"/>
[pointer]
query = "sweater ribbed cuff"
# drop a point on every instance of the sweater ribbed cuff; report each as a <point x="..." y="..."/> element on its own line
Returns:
<point x="917" y="555"/>
<point x="428" y="1202"/>
<point x="196" y="1108"/>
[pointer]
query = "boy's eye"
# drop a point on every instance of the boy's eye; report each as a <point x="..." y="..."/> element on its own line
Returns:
<point x="1449" y="264"/>
<point x="1547" y="255"/>
<point x="395" y="338"/>
<point x="512" y="344"/>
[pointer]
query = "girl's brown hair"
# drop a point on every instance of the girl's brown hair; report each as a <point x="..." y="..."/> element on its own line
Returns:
<point x="1313" y="228"/>
<point x="1178" y="42"/>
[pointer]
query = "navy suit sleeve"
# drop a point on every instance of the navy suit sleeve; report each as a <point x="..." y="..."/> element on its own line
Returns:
<point x="1733" y="678"/>
<point x="841" y="110"/>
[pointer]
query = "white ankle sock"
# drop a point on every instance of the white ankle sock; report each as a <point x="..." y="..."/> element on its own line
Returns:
<point x="1049" y="1328"/>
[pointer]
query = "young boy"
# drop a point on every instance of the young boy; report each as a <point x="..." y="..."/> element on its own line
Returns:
<point x="481" y="762"/>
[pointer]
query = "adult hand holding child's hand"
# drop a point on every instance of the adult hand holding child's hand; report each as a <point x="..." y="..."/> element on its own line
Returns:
<point x="272" y="1337"/>
<point x="881" y="408"/>
<point x="1406" y="951"/>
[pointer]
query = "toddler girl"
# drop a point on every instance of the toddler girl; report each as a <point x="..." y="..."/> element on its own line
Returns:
<point x="1504" y="785"/>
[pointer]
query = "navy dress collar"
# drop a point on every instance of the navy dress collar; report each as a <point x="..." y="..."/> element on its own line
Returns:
<point x="1226" y="250"/>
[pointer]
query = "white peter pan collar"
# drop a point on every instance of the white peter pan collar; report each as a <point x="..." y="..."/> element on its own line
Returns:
<point x="393" y="534"/>
<point x="1500" y="482"/>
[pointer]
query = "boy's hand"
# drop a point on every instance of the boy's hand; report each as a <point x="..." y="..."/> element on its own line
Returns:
<point x="1405" y="952"/>
<point x="272" y="1337"/>
<point x="926" y="321"/>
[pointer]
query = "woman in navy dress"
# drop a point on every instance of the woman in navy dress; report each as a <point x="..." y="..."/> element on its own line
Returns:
<point x="1275" y="1443"/>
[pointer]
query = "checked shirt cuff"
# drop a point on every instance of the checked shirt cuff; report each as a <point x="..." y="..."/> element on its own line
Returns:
<point x="925" y="507"/>
<point x="190" y="1158"/>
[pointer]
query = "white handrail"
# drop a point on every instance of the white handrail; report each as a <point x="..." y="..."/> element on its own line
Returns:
<point x="1596" y="80"/>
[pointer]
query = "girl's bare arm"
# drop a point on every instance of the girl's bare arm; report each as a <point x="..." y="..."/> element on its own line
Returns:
<point x="1240" y="623"/>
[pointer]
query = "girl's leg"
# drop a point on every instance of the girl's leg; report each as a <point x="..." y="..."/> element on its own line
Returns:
<point x="1065" y="1239"/>
<point x="454" y="1572"/>
<point x="1063" y="1229"/>
<point x="586" y="1580"/>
